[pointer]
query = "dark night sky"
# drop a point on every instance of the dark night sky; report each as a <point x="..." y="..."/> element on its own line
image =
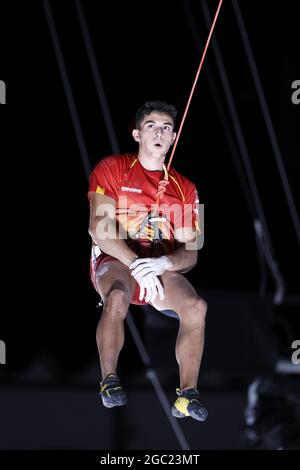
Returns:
<point x="144" y="51"/>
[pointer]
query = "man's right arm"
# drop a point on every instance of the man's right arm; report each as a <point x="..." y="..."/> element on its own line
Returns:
<point x="104" y="230"/>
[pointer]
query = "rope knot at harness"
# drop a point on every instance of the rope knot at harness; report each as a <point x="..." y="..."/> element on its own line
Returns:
<point x="162" y="185"/>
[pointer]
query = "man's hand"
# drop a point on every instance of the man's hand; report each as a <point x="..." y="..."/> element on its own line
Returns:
<point x="142" y="267"/>
<point x="150" y="286"/>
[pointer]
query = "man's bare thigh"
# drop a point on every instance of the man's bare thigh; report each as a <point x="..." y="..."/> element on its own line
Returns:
<point x="178" y="291"/>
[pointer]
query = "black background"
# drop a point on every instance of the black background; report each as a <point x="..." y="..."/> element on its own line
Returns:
<point x="145" y="50"/>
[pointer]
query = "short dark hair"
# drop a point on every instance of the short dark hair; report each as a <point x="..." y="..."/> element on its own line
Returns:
<point x="159" y="106"/>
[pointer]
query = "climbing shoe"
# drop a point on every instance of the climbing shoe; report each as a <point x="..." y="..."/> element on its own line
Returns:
<point x="111" y="391"/>
<point x="188" y="404"/>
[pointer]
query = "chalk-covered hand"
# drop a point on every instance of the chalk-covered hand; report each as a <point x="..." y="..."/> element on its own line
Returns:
<point x="150" y="286"/>
<point x="143" y="266"/>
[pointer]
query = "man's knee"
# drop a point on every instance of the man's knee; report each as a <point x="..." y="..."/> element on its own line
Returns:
<point x="195" y="310"/>
<point x="117" y="300"/>
<point x="202" y="305"/>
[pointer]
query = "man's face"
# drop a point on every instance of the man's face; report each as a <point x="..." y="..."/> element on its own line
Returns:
<point x="155" y="134"/>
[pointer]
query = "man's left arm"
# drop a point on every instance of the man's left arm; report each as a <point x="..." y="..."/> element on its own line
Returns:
<point x="181" y="260"/>
<point x="186" y="232"/>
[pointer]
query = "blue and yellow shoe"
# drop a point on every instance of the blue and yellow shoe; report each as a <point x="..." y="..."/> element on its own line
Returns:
<point x="188" y="404"/>
<point x="111" y="392"/>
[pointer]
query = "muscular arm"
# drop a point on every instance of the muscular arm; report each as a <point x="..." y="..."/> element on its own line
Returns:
<point x="183" y="260"/>
<point x="104" y="230"/>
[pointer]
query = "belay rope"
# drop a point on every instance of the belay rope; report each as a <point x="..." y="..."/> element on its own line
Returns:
<point x="165" y="181"/>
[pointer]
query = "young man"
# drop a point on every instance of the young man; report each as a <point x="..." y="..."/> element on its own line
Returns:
<point x="140" y="251"/>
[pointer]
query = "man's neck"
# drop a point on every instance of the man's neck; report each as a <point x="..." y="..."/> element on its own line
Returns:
<point x="151" y="163"/>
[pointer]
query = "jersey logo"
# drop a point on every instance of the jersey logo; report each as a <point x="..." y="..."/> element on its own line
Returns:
<point x="100" y="190"/>
<point x="131" y="190"/>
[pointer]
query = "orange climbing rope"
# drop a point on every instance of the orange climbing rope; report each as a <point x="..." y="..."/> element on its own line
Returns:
<point x="165" y="181"/>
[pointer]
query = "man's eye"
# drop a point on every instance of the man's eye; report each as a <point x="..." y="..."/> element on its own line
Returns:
<point x="167" y="128"/>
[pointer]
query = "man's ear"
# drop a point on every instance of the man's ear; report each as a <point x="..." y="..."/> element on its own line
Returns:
<point x="174" y="138"/>
<point x="136" y="135"/>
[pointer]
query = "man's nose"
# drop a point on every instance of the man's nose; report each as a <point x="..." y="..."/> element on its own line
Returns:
<point x="158" y="130"/>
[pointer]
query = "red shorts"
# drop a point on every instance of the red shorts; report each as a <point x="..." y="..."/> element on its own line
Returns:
<point x="103" y="259"/>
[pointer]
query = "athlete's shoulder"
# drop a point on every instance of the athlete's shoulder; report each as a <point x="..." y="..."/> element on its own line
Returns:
<point x="185" y="182"/>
